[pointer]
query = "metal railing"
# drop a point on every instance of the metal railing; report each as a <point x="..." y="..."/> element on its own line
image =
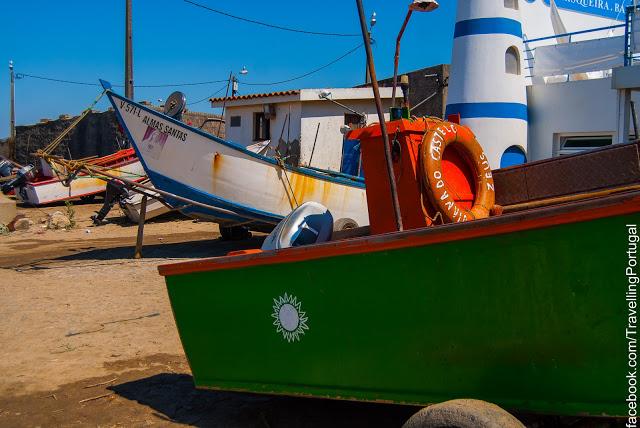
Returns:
<point x="530" y="52"/>
<point x="631" y="35"/>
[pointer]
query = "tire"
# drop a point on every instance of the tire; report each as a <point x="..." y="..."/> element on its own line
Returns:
<point x="234" y="233"/>
<point x="344" y="224"/>
<point x="463" y="414"/>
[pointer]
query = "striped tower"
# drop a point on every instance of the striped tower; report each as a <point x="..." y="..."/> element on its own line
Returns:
<point x="486" y="83"/>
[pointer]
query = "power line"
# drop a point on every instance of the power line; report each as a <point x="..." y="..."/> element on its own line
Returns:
<point x="22" y="75"/>
<point x="73" y="82"/>
<point x="167" y="85"/>
<point x="306" y="74"/>
<point x="209" y="96"/>
<point x="51" y="79"/>
<point x="277" y="27"/>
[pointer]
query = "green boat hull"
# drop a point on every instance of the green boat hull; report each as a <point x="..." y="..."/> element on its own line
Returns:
<point x="532" y="320"/>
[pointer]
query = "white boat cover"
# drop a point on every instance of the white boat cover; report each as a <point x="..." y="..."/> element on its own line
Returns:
<point x="579" y="57"/>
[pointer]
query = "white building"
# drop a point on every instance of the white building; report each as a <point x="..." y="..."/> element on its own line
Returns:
<point x="574" y="104"/>
<point x="302" y="126"/>
<point x="577" y="88"/>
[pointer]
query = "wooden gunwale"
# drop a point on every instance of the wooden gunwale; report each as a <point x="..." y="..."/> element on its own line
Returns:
<point x="615" y="205"/>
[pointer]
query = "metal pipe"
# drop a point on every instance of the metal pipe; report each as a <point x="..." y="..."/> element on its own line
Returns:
<point x="128" y="53"/>
<point x="362" y="115"/>
<point x="634" y="119"/>
<point x="574" y="33"/>
<point x="367" y="75"/>
<point x="396" y="58"/>
<point x="425" y="100"/>
<point x="315" y="140"/>
<point x="383" y="125"/>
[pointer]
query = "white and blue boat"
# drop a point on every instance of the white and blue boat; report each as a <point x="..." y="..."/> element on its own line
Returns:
<point x="250" y="189"/>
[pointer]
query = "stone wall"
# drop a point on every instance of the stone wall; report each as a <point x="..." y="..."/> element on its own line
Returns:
<point x="98" y="134"/>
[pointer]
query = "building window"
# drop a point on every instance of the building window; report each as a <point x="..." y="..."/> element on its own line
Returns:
<point x="511" y="4"/>
<point x="261" y="127"/>
<point x="577" y="144"/>
<point x="236" y="121"/>
<point x="512" y="61"/>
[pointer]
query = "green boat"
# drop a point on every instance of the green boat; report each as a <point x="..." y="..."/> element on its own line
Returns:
<point x="527" y="310"/>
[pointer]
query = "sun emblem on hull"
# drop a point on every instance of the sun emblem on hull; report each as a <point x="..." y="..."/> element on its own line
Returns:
<point x="289" y="318"/>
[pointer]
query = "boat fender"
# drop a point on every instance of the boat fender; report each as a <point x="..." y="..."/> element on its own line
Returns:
<point x="434" y="143"/>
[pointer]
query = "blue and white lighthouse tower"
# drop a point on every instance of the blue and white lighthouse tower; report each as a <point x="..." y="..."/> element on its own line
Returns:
<point x="486" y="84"/>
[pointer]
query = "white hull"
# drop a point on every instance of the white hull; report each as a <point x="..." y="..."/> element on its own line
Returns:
<point x="190" y="163"/>
<point x="46" y="192"/>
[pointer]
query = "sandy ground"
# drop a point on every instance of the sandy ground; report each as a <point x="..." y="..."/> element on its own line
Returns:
<point x="81" y="319"/>
<point x="88" y="338"/>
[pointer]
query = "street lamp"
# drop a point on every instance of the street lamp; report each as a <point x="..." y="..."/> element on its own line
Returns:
<point x="418" y="6"/>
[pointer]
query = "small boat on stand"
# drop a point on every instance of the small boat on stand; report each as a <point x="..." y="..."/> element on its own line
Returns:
<point x="48" y="185"/>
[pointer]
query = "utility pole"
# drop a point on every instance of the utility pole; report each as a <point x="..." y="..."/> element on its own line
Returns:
<point x="128" y="54"/>
<point x="372" y="22"/>
<point x="234" y="86"/>
<point x="12" y="112"/>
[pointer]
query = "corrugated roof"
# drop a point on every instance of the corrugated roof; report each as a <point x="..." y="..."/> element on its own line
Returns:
<point x="252" y="96"/>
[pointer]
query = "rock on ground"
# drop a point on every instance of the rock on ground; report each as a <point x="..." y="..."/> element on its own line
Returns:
<point x="57" y="220"/>
<point x="22" y="224"/>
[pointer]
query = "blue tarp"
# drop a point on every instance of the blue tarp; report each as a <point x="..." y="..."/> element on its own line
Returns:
<point x="351" y="158"/>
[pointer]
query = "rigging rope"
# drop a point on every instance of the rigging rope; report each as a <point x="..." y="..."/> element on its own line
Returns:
<point x="54" y="144"/>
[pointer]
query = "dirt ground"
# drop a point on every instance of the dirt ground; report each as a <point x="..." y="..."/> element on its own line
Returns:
<point x="88" y="338"/>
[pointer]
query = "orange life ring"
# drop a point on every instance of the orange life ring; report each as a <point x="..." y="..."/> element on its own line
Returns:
<point x="434" y="143"/>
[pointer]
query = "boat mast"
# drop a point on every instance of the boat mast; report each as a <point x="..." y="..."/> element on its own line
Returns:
<point x="383" y="125"/>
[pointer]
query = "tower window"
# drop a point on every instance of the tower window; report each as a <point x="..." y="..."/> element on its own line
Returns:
<point x="512" y="61"/>
<point x="511" y="4"/>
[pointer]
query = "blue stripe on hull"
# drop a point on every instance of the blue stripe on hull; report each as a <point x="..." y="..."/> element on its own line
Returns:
<point x="473" y="27"/>
<point x="172" y="186"/>
<point x="489" y="110"/>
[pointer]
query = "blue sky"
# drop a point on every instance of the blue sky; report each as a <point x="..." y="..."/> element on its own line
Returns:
<point x="177" y="42"/>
